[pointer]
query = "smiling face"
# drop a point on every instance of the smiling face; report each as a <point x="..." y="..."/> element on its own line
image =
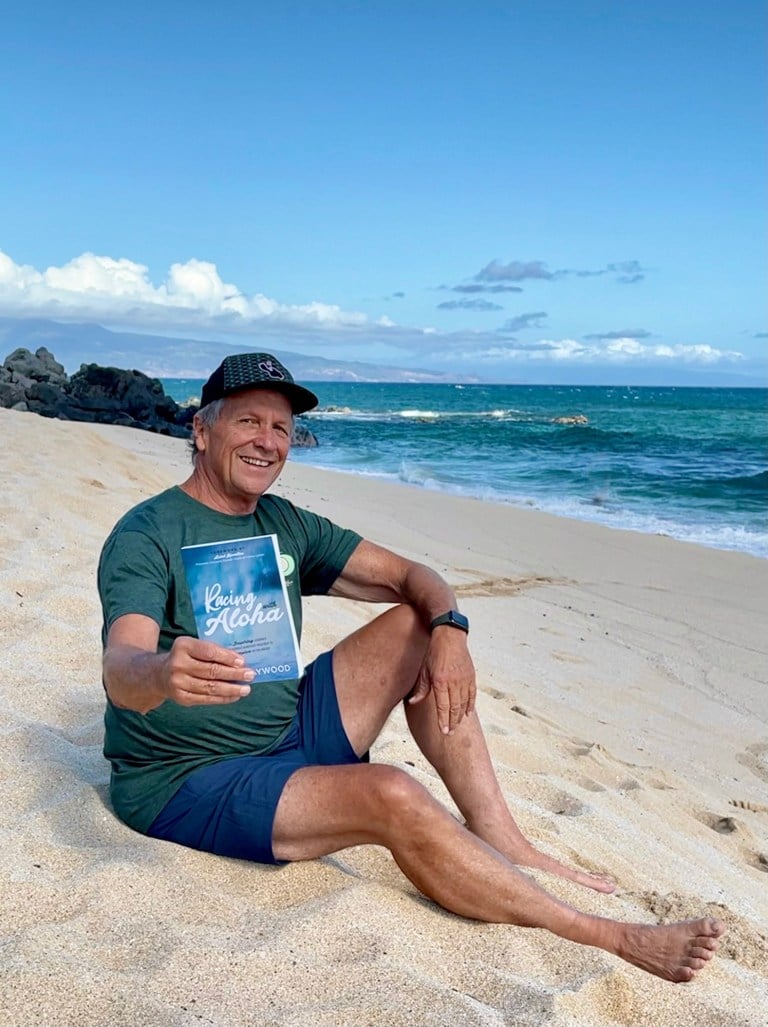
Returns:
<point x="243" y="452"/>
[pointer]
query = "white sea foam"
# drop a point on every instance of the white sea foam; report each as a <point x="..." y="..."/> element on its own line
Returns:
<point x="418" y="414"/>
<point x="421" y="415"/>
<point x="605" y="513"/>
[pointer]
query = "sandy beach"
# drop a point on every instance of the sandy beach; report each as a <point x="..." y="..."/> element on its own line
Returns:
<point x="623" y="685"/>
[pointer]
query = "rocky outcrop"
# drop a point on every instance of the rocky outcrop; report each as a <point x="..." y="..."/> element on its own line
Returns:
<point x="303" y="437"/>
<point x="107" y="395"/>
<point x="571" y="419"/>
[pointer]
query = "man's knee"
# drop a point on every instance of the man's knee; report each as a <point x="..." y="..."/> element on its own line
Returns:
<point x="411" y="622"/>
<point x="398" y="798"/>
<point x="404" y="623"/>
<point x="377" y="664"/>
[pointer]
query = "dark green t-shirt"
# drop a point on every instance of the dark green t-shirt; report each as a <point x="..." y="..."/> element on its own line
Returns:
<point x="141" y="571"/>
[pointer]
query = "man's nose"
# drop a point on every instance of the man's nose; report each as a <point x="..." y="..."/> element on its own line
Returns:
<point x="265" y="437"/>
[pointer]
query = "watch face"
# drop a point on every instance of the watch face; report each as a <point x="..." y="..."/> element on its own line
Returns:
<point x="453" y="618"/>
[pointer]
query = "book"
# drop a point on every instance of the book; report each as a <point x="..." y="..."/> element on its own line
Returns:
<point x="240" y="601"/>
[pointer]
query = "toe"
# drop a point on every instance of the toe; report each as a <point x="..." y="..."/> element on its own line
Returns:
<point x="714" y="928"/>
<point x="700" y="952"/>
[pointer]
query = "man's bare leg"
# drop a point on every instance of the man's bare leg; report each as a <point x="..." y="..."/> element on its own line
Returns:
<point x="463" y="762"/>
<point x="324" y="809"/>
<point x="375" y="668"/>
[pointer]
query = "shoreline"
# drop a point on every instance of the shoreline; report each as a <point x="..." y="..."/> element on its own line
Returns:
<point x="531" y="505"/>
<point x="598" y="455"/>
<point x="622" y="686"/>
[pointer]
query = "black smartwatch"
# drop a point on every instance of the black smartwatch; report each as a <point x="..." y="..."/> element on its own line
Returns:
<point x="453" y="619"/>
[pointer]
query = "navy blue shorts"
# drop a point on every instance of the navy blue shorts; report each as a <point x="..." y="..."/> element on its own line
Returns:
<point x="229" y="807"/>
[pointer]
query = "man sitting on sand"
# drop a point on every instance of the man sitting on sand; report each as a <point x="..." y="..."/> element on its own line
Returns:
<point x="278" y="771"/>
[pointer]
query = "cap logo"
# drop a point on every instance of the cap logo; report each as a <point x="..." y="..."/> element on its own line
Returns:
<point x="271" y="371"/>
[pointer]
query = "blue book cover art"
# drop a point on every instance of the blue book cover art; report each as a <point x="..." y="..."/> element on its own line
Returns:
<point x="241" y="602"/>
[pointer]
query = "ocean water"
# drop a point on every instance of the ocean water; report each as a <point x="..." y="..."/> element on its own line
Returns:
<point x="688" y="463"/>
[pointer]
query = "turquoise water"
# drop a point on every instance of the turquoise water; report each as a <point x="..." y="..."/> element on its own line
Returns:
<point x="689" y="463"/>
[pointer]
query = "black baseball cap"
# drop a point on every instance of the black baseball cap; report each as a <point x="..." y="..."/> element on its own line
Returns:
<point x="256" y="371"/>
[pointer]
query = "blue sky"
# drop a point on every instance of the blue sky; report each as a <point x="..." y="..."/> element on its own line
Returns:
<point x="539" y="190"/>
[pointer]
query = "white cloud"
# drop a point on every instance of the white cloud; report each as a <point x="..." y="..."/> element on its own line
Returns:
<point x="193" y="298"/>
<point x="626" y="347"/>
<point x="193" y="295"/>
<point x="616" y="351"/>
<point x="698" y="354"/>
<point x="96" y="276"/>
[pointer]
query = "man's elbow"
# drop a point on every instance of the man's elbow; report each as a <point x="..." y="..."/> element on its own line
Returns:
<point x="125" y="686"/>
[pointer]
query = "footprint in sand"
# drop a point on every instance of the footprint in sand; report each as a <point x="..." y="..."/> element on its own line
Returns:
<point x="610" y="997"/>
<point x="494" y="693"/>
<point x="609" y="773"/>
<point x="660" y="784"/>
<point x="629" y="784"/>
<point x="723" y="825"/>
<point x="758" y="860"/>
<point x="752" y="807"/>
<point x="557" y="801"/>
<point x="590" y="785"/>
<point x="503" y="586"/>
<point x="586" y="748"/>
<point x="755" y="758"/>
<point x="568" y="806"/>
<point x="601" y="755"/>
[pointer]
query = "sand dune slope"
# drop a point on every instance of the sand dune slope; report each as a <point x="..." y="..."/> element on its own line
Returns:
<point x="623" y="688"/>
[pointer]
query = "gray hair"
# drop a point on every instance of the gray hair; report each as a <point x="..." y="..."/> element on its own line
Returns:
<point x="208" y="415"/>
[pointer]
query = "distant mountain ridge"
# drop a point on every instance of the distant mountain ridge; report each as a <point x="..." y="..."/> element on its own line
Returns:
<point x="163" y="357"/>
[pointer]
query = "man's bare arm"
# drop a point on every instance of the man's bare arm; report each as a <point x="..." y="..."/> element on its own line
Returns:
<point x="375" y="574"/>
<point x="378" y="575"/>
<point x="138" y="677"/>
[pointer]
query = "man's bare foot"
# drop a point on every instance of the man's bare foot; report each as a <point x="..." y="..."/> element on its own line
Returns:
<point x="674" y="952"/>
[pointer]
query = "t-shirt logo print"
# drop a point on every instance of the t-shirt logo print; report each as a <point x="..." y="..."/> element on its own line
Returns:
<point x="269" y="369"/>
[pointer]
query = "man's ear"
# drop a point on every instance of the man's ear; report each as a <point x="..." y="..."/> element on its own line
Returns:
<point x="198" y="433"/>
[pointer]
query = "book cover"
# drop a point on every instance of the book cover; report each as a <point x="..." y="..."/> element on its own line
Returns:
<point x="240" y="601"/>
